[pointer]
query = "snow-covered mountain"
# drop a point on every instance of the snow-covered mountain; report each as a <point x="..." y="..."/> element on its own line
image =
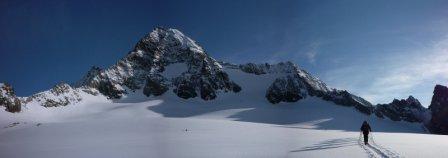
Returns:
<point x="293" y="84"/>
<point x="144" y="67"/>
<point x="168" y="98"/>
<point x="167" y="62"/>
<point x="166" y="59"/>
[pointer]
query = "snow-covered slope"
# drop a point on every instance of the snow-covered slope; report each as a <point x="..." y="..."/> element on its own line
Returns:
<point x="240" y="124"/>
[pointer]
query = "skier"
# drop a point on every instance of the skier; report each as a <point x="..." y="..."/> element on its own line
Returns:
<point x="365" y="128"/>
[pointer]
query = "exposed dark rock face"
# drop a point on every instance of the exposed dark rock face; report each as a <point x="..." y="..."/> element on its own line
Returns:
<point x="254" y="68"/>
<point x="184" y="88"/>
<point x="155" y="85"/>
<point x="286" y="89"/>
<point x="342" y="97"/>
<point x="87" y="80"/>
<point x="60" y="95"/>
<point x="110" y="90"/>
<point x="207" y="91"/>
<point x="8" y="98"/>
<point x="132" y="83"/>
<point x="259" y="69"/>
<point x="409" y="110"/>
<point x="439" y="111"/>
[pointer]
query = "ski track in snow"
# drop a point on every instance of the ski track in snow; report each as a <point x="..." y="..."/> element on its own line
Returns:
<point x="374" y="150"/>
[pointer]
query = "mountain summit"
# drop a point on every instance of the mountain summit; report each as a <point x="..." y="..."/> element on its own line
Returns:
<point x="145" y="67"/>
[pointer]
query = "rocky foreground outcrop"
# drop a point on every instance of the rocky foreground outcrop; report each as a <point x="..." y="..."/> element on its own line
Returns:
<point x="439" y="111"/>
<point x="8" y="98"/>
<point x="409" y="110"/>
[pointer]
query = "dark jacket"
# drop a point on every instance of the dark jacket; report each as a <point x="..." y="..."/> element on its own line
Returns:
<point x="365" y="128"/>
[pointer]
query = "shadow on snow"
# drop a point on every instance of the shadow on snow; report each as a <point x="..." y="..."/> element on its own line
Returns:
<point x="329" y="144"/>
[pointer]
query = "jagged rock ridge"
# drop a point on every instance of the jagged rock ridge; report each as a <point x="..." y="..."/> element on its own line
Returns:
<point x="409" y="110"/>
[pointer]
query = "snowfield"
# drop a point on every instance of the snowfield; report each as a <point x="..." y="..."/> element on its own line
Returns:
<point x="240" y="124"/>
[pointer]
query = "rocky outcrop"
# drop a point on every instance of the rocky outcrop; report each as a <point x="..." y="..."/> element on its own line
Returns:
<point x="439" y="111"/>
<point x="155" y="86"/>
<point x="8" y="98"/>
<point x="60" y="95"/>
<point x="409" y="110"/>
<point x="286" y="89"/>
<point x="184" y="88"/>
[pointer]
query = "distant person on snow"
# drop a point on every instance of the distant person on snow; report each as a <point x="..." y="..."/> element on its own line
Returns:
<point x="365" y="128"/>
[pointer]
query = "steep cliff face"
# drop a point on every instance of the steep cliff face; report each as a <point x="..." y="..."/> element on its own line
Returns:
<point x="439" y="111"/>
<point x="8" y="99"/>
<point x="144" y="67"/>
<point x="409" y="110"/>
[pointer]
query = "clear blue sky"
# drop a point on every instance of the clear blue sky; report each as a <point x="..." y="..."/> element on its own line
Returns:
<point x="379" y="50"/>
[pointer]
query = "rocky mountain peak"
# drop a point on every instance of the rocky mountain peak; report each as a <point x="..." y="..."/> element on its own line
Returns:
<point x="164" y="38"/>
<point x="410" y="102"/>
<point x="413" y="101"/>
<point x="145" y="65"/>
